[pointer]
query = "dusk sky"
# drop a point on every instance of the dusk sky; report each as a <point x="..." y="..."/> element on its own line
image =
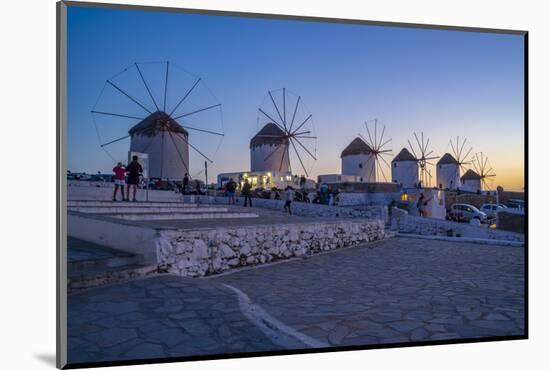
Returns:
<point x="444" y="83"/>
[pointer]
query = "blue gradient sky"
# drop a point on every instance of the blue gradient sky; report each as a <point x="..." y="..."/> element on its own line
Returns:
<point x="445" y="83"/>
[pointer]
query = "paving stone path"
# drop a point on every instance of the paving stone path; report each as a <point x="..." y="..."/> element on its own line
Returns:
<point x="157" y="317"/>
<point x="400" y="290"/>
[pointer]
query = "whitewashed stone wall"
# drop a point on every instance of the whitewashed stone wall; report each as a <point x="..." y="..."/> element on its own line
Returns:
<point x="204" y="252"/>
<point x="408" y="224"/>
<point x="302" y="208"/>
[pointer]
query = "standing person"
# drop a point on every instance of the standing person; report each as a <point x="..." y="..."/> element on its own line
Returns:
<point x="302" y="182"/>
<point x="289" y="196"/>
<point x="246" y="193"/>
<point x="230" y="188"/>
<point x="120" y="174"/>
<point x="420" y="205"/>
<point x="134" y="171"/>
<point x="185" y="183"/>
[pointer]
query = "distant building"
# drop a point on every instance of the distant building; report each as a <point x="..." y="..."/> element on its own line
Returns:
<point x="261" y="179"/>
<point x="404" y="169"/>
<point x="471" y="181"/>
<point x="448" y="172"/>
<point x="269" y="150"/>
<point x="358" y="161"/>
<point x="165" y="142"/>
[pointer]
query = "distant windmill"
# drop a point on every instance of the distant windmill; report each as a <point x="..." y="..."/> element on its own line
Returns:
<point x="423" y="159"/>
<point x="484" y="169"/>
<point x="284" y="123"/>
<point x="460" y="154"/>
<point x="379" y="146"/>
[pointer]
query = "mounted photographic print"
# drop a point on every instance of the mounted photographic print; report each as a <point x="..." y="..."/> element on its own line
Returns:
<point x="236" y="185"/>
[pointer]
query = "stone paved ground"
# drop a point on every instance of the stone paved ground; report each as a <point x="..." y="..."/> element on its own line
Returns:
<point x="158" y="317"/>
<point x="401" y="290"/>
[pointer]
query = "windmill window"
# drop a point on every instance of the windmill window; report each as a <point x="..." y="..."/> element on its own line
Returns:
<point x="360" y="165"/>
<point x="395" y="165"/>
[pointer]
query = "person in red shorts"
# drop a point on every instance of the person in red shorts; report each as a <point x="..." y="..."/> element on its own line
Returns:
<point x="120" y="174"/>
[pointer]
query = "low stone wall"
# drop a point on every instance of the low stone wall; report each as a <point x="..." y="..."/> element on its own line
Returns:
<point x="511" y="221"/>
<point x="302" y="208"/>
<point x="407" y="224"/>
<point x="204" y="252"/>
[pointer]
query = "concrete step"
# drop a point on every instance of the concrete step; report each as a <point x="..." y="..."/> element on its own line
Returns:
<point x="143" y="209"/>
<point x="85" y="257"/>
<point x="90" y="264"/>
<point x="182" y="216"/>
<point x="109" y="275"/>
<point x="102" y="203"/>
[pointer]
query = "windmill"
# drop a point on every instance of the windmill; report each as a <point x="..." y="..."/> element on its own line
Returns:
<point x="484" y="169"/>
<point x="284" y="123"/>
<point x="166" y="112"/>
<point x="460" y="154"/>
<point x="379" y="146"/>
<point x="423" y="159"/>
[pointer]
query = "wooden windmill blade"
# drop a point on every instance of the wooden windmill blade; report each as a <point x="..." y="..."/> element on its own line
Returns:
<point x="425" y="155"/>
<point x="380" y="144"/>
<point x="296" y="139"/>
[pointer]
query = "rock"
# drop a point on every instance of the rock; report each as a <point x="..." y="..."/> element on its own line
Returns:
<point x="226" y="251"/>
<point x="200" y="249"/>
<point x="233" y="262"/>
<point x="245" y="250"/>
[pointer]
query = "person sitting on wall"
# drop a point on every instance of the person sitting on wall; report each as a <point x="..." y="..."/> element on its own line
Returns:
<point x="120" y="175"/>
<point x="246" y="193"/>
<point x="134" y="171"/>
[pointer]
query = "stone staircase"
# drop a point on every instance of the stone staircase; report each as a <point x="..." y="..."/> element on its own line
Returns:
<point x="90" y="265"/>
<point x="143" y="211"/>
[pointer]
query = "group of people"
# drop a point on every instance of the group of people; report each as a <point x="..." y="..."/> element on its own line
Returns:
<point x="246" y="191"/>
<point x="127" y="175"/>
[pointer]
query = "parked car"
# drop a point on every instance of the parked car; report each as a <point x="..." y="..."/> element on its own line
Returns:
<point x="465" y="212"/>
<point x="516" y="204"/>
<point x="491" y="209"/>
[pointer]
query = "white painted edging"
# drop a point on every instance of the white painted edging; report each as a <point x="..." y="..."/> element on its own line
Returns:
<point x="505" y="243"/>
<point x="278" y="332"/>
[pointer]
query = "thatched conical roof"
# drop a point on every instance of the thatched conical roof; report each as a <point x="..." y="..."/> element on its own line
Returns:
<point x="270" y="134"/>
<point x="357" y="146"/>
<point x="447" y="159"/>
<point x="404" y="156"/>
<point x="155" y="123"/>
<point x="470" y="175"/>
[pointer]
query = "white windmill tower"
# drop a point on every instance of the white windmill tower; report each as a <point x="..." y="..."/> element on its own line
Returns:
<point x="450" y="167"/>
<point x="404" y="169"/>
<point x="363" y="157"/>
<point x="179" y="121"/>
<point x="286" y="139"/>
